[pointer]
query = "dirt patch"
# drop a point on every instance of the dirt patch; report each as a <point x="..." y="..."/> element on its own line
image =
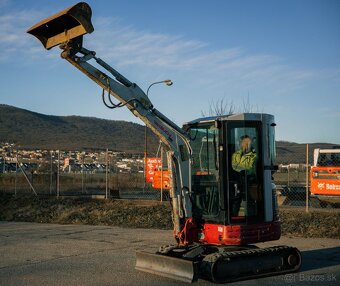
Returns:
<point x="143" y="214"/>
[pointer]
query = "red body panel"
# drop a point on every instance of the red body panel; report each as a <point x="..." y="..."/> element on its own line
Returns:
<point x="240" y="234"/>
<point x="325" y="181"/>
<point x="219" y="234"/>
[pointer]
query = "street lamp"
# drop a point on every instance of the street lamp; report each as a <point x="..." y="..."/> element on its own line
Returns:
<point x="168" y="82"/>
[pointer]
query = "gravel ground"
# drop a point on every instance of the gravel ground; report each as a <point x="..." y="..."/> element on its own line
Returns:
<point x="144" y="214"/>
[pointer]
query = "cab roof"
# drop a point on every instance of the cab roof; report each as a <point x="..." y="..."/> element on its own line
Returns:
<point x="232" y="117"/>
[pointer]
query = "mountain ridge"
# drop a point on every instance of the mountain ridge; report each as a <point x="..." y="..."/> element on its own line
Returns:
<point x="30" y="129"/>
<point x="33" y="130"/>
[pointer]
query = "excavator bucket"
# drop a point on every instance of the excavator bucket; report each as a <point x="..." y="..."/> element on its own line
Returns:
<point x="166" y="266"/>
<point x="66" y="25"/>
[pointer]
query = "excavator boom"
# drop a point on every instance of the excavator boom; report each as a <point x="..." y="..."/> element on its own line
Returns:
<point x="66" y="29"/>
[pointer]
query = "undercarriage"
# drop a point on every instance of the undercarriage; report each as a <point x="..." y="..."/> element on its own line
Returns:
<point x="219" y="264"/>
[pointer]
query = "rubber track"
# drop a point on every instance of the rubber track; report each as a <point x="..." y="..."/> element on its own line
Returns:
<point x="209" y="263"/>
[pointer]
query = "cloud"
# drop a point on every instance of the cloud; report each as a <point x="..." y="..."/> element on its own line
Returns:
<point x="14" y="40"/>
<point x="131" y="48"/>
<point x="127" y="46"/>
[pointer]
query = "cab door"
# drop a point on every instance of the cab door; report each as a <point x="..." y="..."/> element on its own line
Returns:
<point x="244" y="169"/>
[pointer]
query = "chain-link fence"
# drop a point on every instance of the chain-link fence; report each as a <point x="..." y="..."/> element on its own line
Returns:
<point x="304" y="179"/>
<point x="309" y="179"/>
<point x="95" y="185"/>
<point x="95" y="174"/>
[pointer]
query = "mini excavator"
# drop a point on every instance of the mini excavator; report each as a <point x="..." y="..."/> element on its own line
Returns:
<point x="219" y="210"/>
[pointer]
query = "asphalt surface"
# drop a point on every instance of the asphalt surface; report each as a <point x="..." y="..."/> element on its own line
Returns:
<point x="50" y="254"/>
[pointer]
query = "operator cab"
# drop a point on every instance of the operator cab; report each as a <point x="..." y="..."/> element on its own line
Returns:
<point x="232" y="162"/>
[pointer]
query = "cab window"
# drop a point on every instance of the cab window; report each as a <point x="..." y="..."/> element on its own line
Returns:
<point x="204" y="171"/>
<point x="245" y="196"/>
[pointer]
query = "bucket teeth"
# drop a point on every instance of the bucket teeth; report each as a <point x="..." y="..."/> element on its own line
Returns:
<point x="64" y="26"/>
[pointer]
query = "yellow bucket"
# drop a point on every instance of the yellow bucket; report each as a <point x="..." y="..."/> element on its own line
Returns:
<point x="68" y="24"/>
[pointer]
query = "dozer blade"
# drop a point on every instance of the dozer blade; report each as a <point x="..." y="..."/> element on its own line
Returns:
<point x="166" y="266"/>
<point x="66" y="25"/>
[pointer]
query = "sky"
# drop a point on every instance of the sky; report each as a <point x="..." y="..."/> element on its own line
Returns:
<point x="268" y="56"/>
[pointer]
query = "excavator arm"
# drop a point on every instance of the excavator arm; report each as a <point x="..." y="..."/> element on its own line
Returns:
<point x="66" y="29"/>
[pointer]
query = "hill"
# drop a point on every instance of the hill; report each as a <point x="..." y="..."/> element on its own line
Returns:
<point x="33" y="130"/>
<point x="290" y="152"/>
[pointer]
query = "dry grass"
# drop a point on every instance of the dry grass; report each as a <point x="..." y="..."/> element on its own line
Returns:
<point x="143" y="214"/>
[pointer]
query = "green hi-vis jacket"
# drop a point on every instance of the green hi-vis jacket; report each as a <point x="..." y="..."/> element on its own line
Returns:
<point x="245" y="161"/>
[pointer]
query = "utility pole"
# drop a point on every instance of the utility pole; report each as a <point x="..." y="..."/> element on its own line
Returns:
<point x="16" y="174"/>
<point x="106" y="173"/>
<point x="307" y="181"/>
<point x="51" y="171"/>
<point x="145" y="152"/>
<point x="58" y="175"/>
<point x="168" y="82"/>
<point x="161" y="172"/>
<point x="82" y="173"/>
